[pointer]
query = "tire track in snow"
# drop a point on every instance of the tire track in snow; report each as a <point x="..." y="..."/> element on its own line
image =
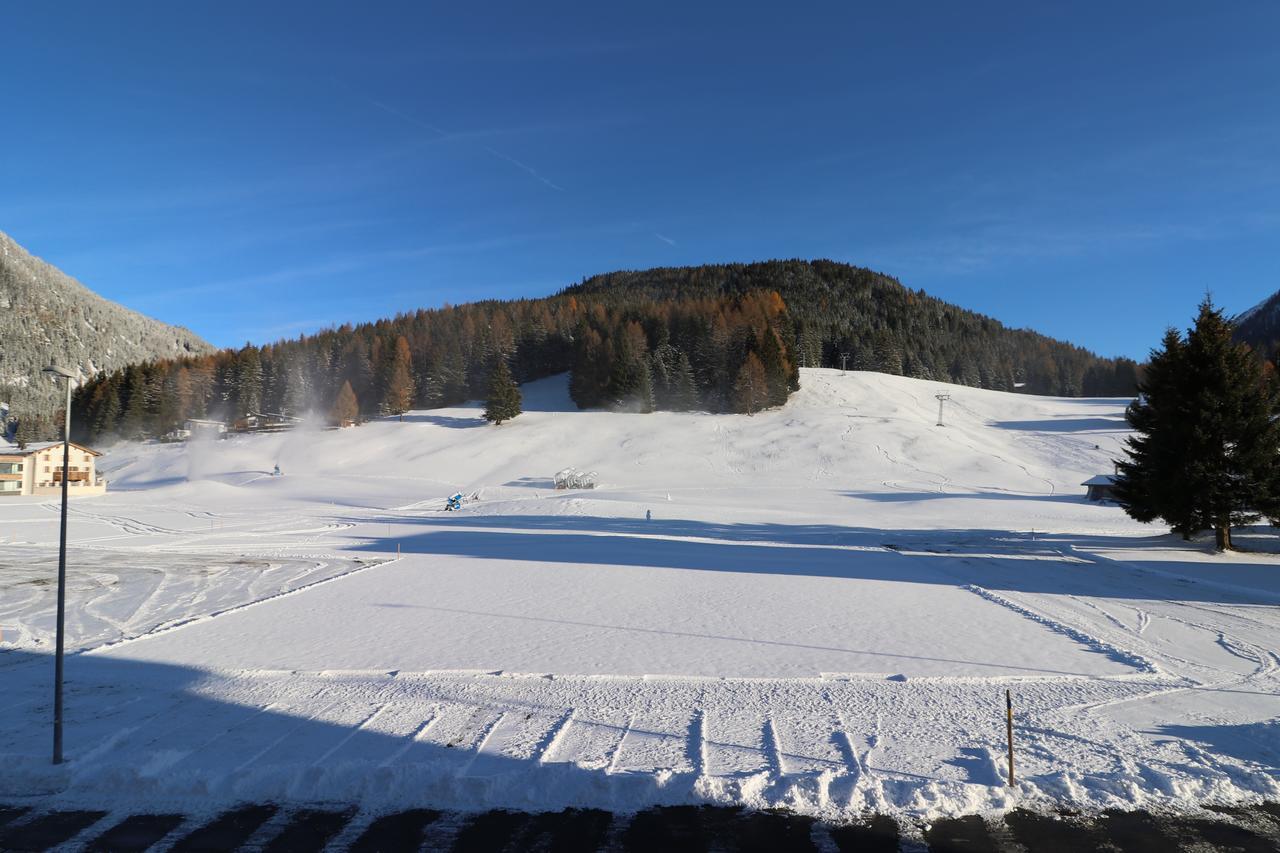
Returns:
<point x="174" y="626"/>
<point x="556" y="736"/>
<point x="1125" y="656"/>
<point x="773" y="749"/>
<point x="356" y="729"/>
<point x="697" y="743"/>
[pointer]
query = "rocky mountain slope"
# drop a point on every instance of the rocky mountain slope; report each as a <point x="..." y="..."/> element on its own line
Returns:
<point x="45" y="315"/>
<point x="1259" y="327"/>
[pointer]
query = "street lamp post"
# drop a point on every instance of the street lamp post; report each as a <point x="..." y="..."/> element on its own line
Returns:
<point x="62" y="566"/>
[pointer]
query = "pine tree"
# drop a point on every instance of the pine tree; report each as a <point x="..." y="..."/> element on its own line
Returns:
<point x="1207" y="450"/>
<point x="592" y="365"/>
<point x="504" y="399"/>
<point x="398" y="381"/>
<point x="133" y="417"/>
<point x="888" y="355"/>
<point x="248" y="381"/>
<point x="297" y="393"/>
<point x="346" y="409"/>
<point x="776" y="368"/>
<point x="1149" y="482"/>
<point x="750" y="389"/>
<point x="662" y="367"/>
<point x="684" y="387"/>
<point x="107" y="416"/>
<point x="630" y="384"/>
<point x="26" y="432"/>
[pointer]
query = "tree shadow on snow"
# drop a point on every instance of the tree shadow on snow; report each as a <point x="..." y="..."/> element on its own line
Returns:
<point x="907" y="497"/>
<point x="1094" y="424"/>
<point x="532" y="483"/>
<point x="1030" y="562"/>
<point x="1249" y="741"/>
<point x="448" y="421"/>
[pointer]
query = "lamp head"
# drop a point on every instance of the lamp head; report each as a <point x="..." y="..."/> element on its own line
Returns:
<point x="56" y="370"/>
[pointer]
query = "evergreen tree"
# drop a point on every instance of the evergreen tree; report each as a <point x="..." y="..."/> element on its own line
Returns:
<point x="398" y="380"/>
<point x="888" y="356"/>
<point x="26" y="432"/>
<point x="248" y="382"/>
<point x="354" y="367"/>
<point x="592" y="366"/>
<point x="1149" y="482"/>
<point x="346" y="409"/>
<point x="297" y="394"/>
<point x="750" y="389"/>
<point x="630" y="384"/>
<point x="662" y="368"/>
<point x="776" y="369"/>
<point x="168" y="405"/>
<point x="1207" y="450"/>
<point x="107" y="415"/>
<point x="133" y="417"/>
<point x="504" y="399"/>
<point x="684" y="387"/>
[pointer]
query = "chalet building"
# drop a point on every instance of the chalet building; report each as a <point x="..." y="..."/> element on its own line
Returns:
<point x="196" y="428"/>
<point x="265" y="422"/>
<point x="1100" y="488"/>
<point x="201" y="426"/>
<point x="37" y="470"/>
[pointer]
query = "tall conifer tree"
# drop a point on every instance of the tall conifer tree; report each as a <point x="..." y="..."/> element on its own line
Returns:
<point x="346" y="409"/>
<point x="1207" y="450"/>
<point x="750" y="389"/>
<point x="504" y="399"/>
<point x="398" y="383"/>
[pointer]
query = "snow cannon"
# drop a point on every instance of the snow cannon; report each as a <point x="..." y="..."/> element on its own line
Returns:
<point x="453" y="502"/>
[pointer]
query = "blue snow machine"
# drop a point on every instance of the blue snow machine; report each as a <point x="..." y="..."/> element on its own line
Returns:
<point x="454" y="502"/>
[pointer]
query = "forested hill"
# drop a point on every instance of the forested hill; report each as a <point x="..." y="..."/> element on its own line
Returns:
<point x="717" y="338"/>
<point x="1259" y="327"/>
<point x="882" y="325"/>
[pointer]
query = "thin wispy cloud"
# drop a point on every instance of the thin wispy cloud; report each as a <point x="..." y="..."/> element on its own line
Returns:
<point x="443" y="134"/>
<point x="406" y="116"/>
<point x="306" y="274"/>
<point x="532" y="171"/>
<point x="665" y="239"/>
<point x="1000" y="244"/>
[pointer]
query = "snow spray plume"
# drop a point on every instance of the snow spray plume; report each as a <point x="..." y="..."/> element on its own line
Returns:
<point x="296" y="450"/>
<point x="200" y="454"/>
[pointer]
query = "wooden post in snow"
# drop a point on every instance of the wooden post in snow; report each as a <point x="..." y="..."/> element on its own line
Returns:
<point x="1008" y="724"/>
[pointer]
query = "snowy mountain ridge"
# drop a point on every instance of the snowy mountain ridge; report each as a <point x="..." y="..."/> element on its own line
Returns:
<point x="1260" y="326"/>
<point x="45" y="315"/>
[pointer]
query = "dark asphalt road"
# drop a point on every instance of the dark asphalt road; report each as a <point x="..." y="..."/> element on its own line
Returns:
<point x="265" y="827"/>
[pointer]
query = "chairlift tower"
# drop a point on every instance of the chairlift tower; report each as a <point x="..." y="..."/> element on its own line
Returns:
<point x="844" y="361"/>
<point x="942" y="398"/>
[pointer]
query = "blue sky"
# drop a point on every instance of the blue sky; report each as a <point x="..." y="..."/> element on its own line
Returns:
<point x="255" y="171"/>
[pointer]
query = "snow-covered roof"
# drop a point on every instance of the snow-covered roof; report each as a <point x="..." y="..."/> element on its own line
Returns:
<point x="7" y="449"/>
<point x="1100" y="480"/>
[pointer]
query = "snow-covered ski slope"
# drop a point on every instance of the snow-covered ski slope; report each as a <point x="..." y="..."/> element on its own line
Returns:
<point x="823" y="613"/>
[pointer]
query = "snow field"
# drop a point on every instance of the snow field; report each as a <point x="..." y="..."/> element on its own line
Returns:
<point x="823" y="614"/>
